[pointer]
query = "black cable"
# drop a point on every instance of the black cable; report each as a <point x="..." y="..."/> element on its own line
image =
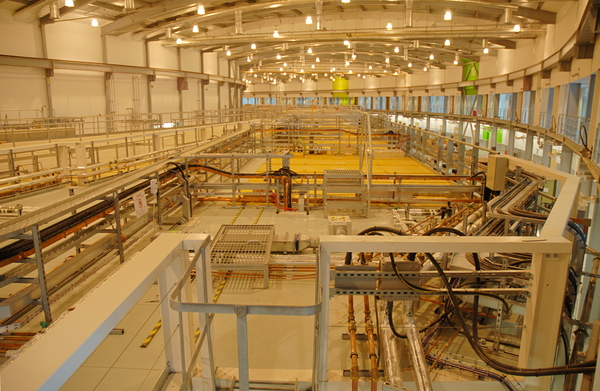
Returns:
<point x="565" y="340"/>
<point x="348" y="259"/>
<point x="421" y="289"/>
<point x="587" y="367"/>
<point x="390" y="308"/>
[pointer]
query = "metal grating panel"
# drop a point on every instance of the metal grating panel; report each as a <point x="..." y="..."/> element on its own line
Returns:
<point x="242" y="244"/>
<point x="243" y="247"/>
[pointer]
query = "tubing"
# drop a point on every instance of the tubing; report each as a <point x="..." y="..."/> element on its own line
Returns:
<point x="371" y="338"/>
<point x="417" y="355"/>
<point x="389" y="345"/>
<point x="580" y="334"/>
<point x="354" y="375"/>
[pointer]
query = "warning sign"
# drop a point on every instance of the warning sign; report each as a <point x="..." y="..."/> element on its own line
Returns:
<point x="139" y="202"/>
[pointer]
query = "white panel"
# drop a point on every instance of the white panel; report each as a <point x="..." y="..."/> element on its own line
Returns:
<point x="225" y="96"/>
<point x="22" y="88"/>
<point x="487" y="67"/>
<point x="77" y="41"/>
<point x="223" y="66"/>
<point x="19" y="39"/>
<point x="124" y="93"/>
<point x="165" y="97"/>
<point x="506" y="61"/>
<point x="162" y="57"/>
<point x="437" y="76"/>
<point x="78" y="93"/>
<point x="190" y="60"/>
<point x="372" y="82"/>
<point x="124" y="50"/>
<point x="191" y="97"/>
<point x="211" y="64"/>
<point x="210" y="95"/>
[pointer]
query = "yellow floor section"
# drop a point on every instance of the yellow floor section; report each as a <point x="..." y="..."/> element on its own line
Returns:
<point x="310" y="164"/>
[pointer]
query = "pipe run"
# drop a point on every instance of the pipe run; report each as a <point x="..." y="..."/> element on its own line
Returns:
<point x="354" y="372"/>
<point x="390" y="348"/>
<point x="417" y="355"/>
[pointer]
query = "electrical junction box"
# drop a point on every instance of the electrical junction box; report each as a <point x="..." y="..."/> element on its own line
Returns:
<point x="339" y="225"/>
<point x="496" y="173"/>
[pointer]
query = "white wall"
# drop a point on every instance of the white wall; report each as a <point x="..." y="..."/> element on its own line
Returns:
<point x="123" y="50"/>
<point x="76" y="41"/>
<point x="78" y="93"/>
<point x="19" y="39"/>
<point x="162" y="57"/>
<point x="165" y="97"/>
<point x="22" y="88"/>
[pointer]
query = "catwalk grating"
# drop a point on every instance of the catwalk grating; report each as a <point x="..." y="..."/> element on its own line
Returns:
<point x="243" y="247"/>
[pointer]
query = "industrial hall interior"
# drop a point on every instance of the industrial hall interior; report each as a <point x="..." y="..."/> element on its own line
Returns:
<point x="299" y="195"/>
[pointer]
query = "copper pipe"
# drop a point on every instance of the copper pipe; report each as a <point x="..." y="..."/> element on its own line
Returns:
<point x="372" y="351"/>
<point x="353" y="350"/>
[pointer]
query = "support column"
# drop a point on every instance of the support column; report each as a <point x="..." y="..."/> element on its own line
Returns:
<point x="541" y="326"/>
<point x="149" y="78"/>
<point x="529" y="145"/>
<point x="475" y="151"/>
<point x="546" y="151"/>
<point x="37" y="243"/>
<point x="593" y="105"/>
<point x="566" y="159"/>
<point x="175" y="326"/>
<point x="518" y="106"/>
<point x="49" y="73"/>
<point x="511" y="140"/>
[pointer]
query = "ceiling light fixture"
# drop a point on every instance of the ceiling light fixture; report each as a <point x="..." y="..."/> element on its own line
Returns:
<point x="456" y="58"/>
<point x="278" y="56"/>
<point x="309" y="19"/>
<point x="389" y="26"/>
<point x="347" y="43"/>
<point x="396" y="49"/>
<point x="387" y="60"/>
<point x="195" y="29"/>
<point x="354" y="56"/>
<point x="94" y="22"/>
<point x="248" y="59"/>
<point x="517" y="28"/>
<point x="370" y="67"/>
<point x="486" y="50"/>
<point x="347" y="63"/>
<point x="276" y="34"/>
<point x="309" y="51"/>
<point x="317" y="59"/>
<point x="425" y="69"/>
<point x="280" y="69"/>
<point x="410" y="64"/>
<point x="69" y="3"/>
<point x="228" y="53"/>
<point x="448" y="14"/>
<point x="447" y="42"/>
<point x="345" y="1"/>
<point x="285" y="64"/>
<point x="431" y="56"/>
<point x="201" y="10"/>
<point x="253" y="46"/>
<point x="179" y="41"/>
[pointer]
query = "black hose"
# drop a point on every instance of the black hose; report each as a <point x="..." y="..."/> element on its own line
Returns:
<point x="348" y="259"/>
<point x="585" y="367"/>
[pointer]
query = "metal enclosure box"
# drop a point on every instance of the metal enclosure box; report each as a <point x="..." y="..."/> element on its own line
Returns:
<point x="339" y="225"/>
<point x="496" y="173"/>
